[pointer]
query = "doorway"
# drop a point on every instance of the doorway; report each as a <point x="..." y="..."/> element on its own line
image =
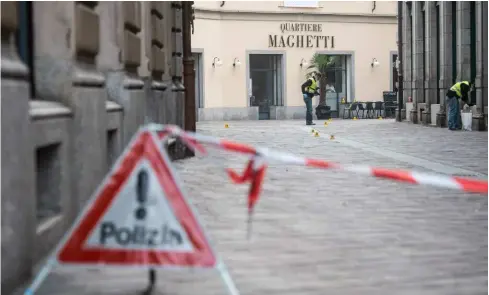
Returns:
<point x="266" y="84"/>
<point x="199" y="76"/>
<point x="394" y="74"/>
<point x="337" y="82"/>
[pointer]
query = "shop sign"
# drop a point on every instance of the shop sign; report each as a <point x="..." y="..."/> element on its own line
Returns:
<point x="301" y="35"/>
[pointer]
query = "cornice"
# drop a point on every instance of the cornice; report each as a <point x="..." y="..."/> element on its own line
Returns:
<point x="289" y="16"/>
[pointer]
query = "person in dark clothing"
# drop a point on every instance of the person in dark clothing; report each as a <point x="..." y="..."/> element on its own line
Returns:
<point x="459" y="90"/>
<point x="309" y="90"/>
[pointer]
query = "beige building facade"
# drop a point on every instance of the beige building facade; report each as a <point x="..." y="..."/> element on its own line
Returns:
<point x="252" y="57"/>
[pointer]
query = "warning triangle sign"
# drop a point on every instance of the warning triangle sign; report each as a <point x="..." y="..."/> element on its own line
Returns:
<point x="138" y="216"/>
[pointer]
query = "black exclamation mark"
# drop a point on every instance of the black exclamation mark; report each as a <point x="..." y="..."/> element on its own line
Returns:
<point x="142" y="194"/>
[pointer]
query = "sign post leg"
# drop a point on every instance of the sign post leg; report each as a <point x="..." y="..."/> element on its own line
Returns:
<point x="152" y="281"/>
<point x="41" y="276"/>
<point x="226" y="277"/>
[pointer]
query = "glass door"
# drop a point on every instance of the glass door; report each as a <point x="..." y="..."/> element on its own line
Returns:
<point x="278" y="98"/>
<point x="395" y="77"/>
<point x="266" y="83"/>
<point x="336" y="83"/>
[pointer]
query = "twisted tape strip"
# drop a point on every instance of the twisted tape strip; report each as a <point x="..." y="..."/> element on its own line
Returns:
<point x="437" y="180"/>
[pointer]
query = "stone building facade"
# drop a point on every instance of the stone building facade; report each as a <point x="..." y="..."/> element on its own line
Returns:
<point x="443" y="42"/>
<point x="78" y="80"/>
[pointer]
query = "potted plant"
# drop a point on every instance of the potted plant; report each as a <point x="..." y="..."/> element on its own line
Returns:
<point x="320" y="64"/>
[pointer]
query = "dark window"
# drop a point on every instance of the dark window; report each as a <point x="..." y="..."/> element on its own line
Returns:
<point x="261" y="62"/>
<point x="48" y="177"/>
<point x="111" y="148"/>
<point x="25" y="37"/>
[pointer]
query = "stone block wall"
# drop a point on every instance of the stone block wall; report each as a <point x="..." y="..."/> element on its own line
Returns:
<point x="429" y="70"/>
<point x="18" y="205"/>
<point x="78" y="80"/>
<point x="418" y="58"/>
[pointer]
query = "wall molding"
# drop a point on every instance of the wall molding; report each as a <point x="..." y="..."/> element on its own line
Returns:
<point x="286" y="16"/>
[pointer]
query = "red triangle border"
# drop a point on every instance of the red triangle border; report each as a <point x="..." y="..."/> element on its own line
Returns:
<point x="144" y="145"/>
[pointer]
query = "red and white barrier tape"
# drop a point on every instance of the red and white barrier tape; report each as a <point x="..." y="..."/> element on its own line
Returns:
<point x="451" y="182"/>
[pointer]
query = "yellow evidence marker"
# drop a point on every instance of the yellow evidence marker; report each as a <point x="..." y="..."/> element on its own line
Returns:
<point x="331" y="137"/>
<point x="325" y="123"/>
<point x="316" y="134"/>
<point x="226" y="126"/>
<point x="380" y="118"/>
<point x="354" y="118"/>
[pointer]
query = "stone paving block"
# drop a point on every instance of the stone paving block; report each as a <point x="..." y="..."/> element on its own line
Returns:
<point x="328" y="232"/>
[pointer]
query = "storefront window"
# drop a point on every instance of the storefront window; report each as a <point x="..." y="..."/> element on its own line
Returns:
<point x="336" y="82"/>
<point x="266" y="82"/>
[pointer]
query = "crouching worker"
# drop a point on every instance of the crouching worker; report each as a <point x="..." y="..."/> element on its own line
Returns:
<point x="459" y="90"/>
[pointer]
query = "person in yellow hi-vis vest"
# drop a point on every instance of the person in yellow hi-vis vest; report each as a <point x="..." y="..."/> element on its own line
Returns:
<point x="457" y="91"/>
<point x="309" y="90"/>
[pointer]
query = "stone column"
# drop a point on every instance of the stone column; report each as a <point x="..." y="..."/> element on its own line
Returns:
<point x="18" y="195"/>
<point x="145" y="66"/>
<point x="88" y="103"/>
<point x="484" y="26"/>
<point x="188" y="67"/>
<point x="406" y="56"/>
<point x="67" y="72"/>
<point x="177" y="59"/>
<point x="430" y="60"/>
<point x="176" y="72"/>
<point x="418" y="54"/>
<point x="445" y="59"/>
<point x="168" y="115"/>
<point x="478" y="122"/>
<point x="159" y="95"/>
<point x="108" y="62"/>
<point x="463" y="41"/>
<point x="126" y="87"/>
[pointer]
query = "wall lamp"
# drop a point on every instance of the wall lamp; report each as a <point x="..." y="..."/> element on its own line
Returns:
<point x="216" y="62"/>
<point x="236" y="62"/>
<point x="375" y="63"/>
<point x="304" y="63"/>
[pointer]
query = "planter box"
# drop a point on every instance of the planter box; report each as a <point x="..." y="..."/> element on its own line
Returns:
<point x="323" y="112"/>
<point x="409" y="107"/>
<point x="435" y="108"/>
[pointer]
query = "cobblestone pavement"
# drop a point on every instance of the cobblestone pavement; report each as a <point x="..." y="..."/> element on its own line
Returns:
<point x="328" y="232"/>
